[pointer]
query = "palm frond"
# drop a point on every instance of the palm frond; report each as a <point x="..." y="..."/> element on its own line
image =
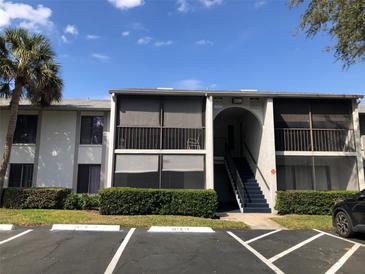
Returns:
<point x="29" y="58"/>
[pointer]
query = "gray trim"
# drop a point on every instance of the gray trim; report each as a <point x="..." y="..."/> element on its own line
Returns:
<point x="76" y="152"/>
<point x="238" y="93"/>
<point x="37" y="146"/>
<point x="65" y="104"/>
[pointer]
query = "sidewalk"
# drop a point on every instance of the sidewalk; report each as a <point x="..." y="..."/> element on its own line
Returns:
<point x="254" y="220"/>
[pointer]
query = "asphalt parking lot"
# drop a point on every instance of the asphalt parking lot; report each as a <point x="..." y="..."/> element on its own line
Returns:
<point x="139" y="251"/>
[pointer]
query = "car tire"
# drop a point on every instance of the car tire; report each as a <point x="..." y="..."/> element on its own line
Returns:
<point x="343" y="224"/>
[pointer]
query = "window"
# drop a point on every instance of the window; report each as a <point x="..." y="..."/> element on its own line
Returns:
<point x="159" y="171"/>
<point x="26" y="129"/>
<point x="88" y="179"/>
<point x="331" y="115"/>
<point x="21" y="175"/>
<point x="92" y="130"/>
<point x="137" y="171"/>
<point x="291" y="114"/>
<point x="182" y="171"/>
<point x="317" y="173"/>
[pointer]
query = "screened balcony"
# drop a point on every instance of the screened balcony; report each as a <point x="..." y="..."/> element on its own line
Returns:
<point x="303" y="139"/>
<point x="155" y="122"/>
<point x="160" y="138"/>
<point x="314" y="125"/>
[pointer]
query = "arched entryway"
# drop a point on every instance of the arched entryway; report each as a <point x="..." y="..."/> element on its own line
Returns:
<point x="237" y="134"/>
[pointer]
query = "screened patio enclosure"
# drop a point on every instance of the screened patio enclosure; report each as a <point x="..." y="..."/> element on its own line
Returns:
<point x="314" y="125"/>
<point x="160" y="138"/>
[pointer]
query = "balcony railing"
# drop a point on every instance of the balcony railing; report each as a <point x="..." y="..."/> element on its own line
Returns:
<point x="300" y="139"/>
<point x="160" y="138"/>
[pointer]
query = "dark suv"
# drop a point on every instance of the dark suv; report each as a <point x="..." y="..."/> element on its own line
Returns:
<point x="349" y="215"/>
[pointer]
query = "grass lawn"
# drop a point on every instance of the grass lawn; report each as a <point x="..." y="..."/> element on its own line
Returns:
<point x="322" y="222"/>
<point x="43" y="217"/>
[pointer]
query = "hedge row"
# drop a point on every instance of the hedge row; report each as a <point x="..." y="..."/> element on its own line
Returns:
<point x="82" y="201"/>
<point x="46" y="198"/>
<point x="140" y="201"/>
<point x="308" y="202"/>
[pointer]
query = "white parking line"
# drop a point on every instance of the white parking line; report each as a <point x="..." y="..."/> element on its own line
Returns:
<point x="257" y="254"/>
<point x="114" y="261"/>
<point x="282" y="254"/>
<point x="183" y="229"/>
<point x="343" y="259"/>
<point x="338" y="237"/>
<point x="15" y="236"/>
<point x="262" y="236"/>
<point x="82" y="227"/>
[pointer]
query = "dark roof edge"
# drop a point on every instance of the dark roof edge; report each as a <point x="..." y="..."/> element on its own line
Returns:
<point x="237" y="93"/>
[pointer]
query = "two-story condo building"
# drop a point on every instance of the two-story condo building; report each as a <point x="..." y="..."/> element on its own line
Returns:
<point x="244" y="144"/>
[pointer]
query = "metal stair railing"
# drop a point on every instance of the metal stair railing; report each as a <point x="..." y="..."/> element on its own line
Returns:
<point x="235" y="179"/>
<point x="252" y="159"/>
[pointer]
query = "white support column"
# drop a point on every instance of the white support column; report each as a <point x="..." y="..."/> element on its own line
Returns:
<point x="269" y="129"/>
<point x="111" y="141"/>
<point x="356" y="123"/>
<point x="209" y="156"/>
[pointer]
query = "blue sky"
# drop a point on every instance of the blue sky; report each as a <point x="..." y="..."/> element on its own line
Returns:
<point x="203" y="44"/>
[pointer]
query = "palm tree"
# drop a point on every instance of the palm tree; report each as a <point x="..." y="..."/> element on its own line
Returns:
<point x="27" y="70"/>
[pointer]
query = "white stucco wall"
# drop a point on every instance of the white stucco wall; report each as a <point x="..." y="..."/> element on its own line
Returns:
<point x="56" y="152"/>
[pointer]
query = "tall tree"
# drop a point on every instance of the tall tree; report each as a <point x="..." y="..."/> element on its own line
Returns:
<point x="27" y="70"/>
<point x="344" y="20"/>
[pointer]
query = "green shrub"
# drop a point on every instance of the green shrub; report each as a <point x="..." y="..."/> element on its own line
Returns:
<point x="14" y="197"/>
<point x="82" y="201"/>
<point x="308" y="201"/>
<point x="140" y="201"/>
<point x="89" y="201"/>
<point x="73" y="202"/>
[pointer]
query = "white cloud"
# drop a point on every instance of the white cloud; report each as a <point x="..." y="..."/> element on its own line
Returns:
<point x="100" y="57"/>
<point x="144" y="40"/>
<point x="92" y="37"/>
<point x="125" y="33"/>
<point x="183" y="6"/>
<point x="189" y="84"/>
<point x="71" y="29"/>
<point x="27" y="16"/>
<point x="204" y="42"/>
<point x="126" y="4"/>
<point x="259" y="4"/>
<point x="64" y="39"/>
<point x="211" y="3"/>
<point x="163" y="43"/>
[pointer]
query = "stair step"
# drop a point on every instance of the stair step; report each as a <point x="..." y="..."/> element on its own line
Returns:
<point x="252" y="186"/>
<point x="256" y="210"/>
<point x="258" y="205"/>
<point x="254" y="192"/>
<point x="256" y="196"/>
<point x="258" y="201"/>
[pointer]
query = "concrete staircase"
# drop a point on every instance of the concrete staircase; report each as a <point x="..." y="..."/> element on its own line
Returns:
<point x="255" y="201"/>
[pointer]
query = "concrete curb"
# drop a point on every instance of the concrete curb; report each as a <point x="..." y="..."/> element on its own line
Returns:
<point x="181" y="229"/>
<point x="6" y="227"/>
<point x="81" y="227"/>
